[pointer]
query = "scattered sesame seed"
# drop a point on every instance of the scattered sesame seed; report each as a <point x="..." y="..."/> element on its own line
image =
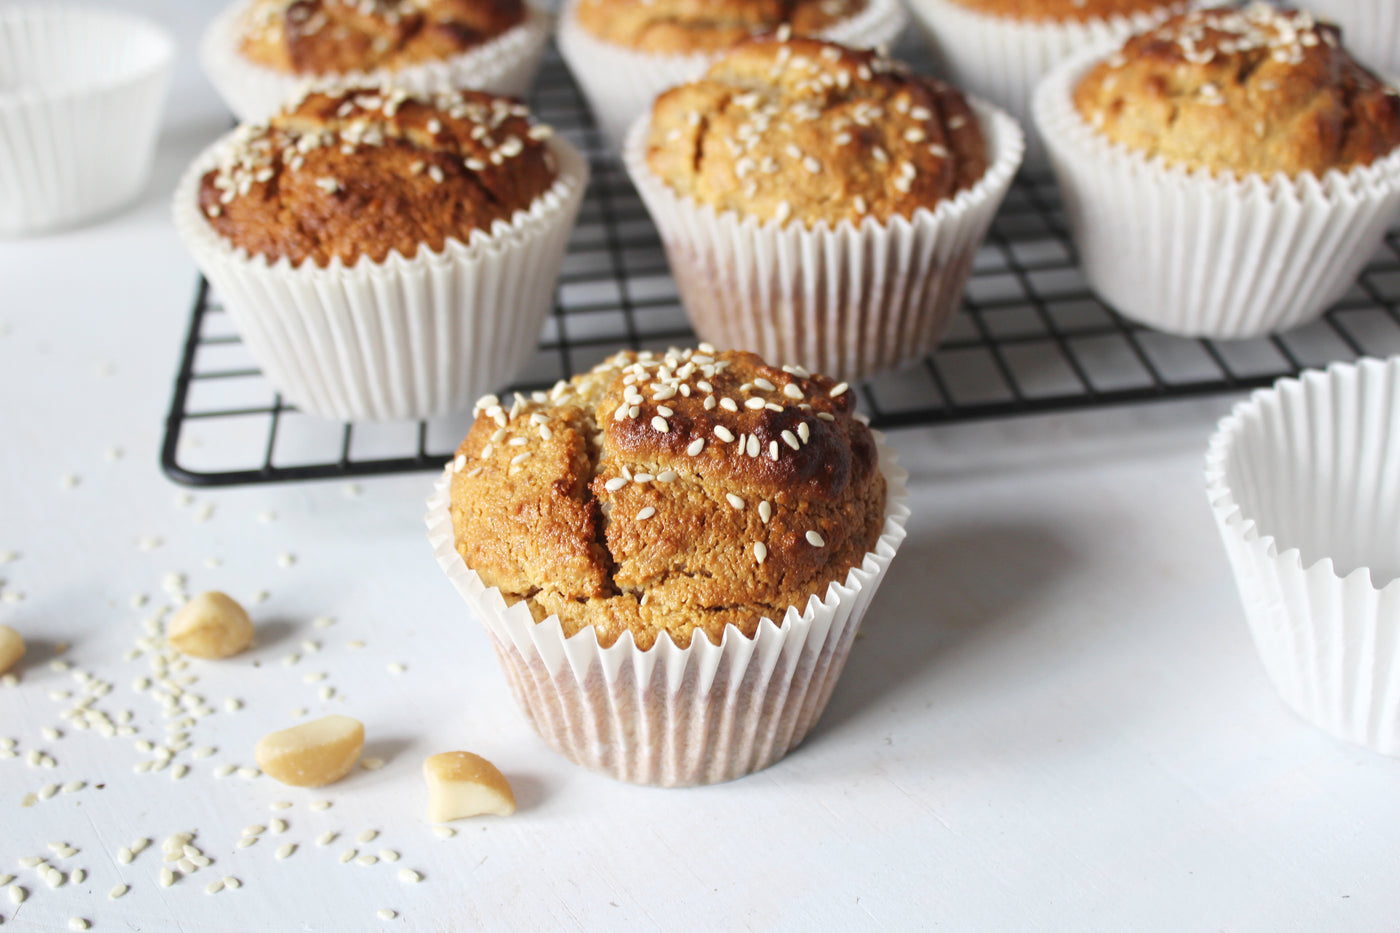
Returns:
<point x="386" y="914"/>
<point x="77" y="923"/>
<point x="839" y="389"/>
<point x="367" y="860"/>
<point x="232" y="883"/>
<point x="409" y="876"/>
<point x="347" y="855"/>
<point x="277" y="826"/>
<point x="368" y="835"/>
<point x="388" y="855"/>
<point x="815" y="539"/>
<point x="320" y="805"/>
<point x="696" y="447"/>
<point x="754" y="403"/>
<point x="660" y="424"/>
<point x="214" y="887"/>
<point x="372" y="764"/>
<point x="118" y="891"/>
<point x="396" y="668"/>
<point x="444" y="832"/>
<point x="646" y="513"/>
<point x="167" y="877"/>
<point x="734" y="500"/>
<point x="724" y="433"/>
<point x="760" y="551"/>
<point x="326" y="838"/>
<point x="286" y="850"/>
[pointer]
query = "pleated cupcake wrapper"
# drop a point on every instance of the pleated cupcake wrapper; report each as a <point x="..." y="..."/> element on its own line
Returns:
<point x="504" y="65"/>
<point x="74" y="152"/>
<point x="402" y="338"/>
<point x="1002" y="59"/>
<point x="1304" y="482"/>
<point x="1209" y="256"/>
<point x="847" y="301"/>
<point x="1370" y="30"/>
<point x="673" y="716"/>
<point x="622" y="83"/>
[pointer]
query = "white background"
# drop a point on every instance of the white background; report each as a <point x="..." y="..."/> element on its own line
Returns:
<point x="1055" y="719"/>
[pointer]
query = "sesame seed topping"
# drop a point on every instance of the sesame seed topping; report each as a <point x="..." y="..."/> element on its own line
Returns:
<point x="696" y="447"/>
<point x="815" y="539"/>
<point x="724" y="433"/>
<point x="734" y="500"/>
<point x="791" y="440"/>
<point x="660" y="424"/>
<point x="754" y="403"/>
<point x="760" y="551"/>
<point x="765" y="511"/>
<point x="751" y="448"/>
<point x="614" y="484"/>
<point x="646" y="513"/>
<point x="764" y="384"/>
<point x="792" y="391"/>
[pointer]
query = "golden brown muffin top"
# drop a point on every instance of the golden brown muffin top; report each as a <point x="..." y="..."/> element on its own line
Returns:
<point x="330" y="37"/>
<point x="1251" y="91"/>
<point x="674" y="492"/>
<point x="369" y="170"/>
<point x="1040" y="11"/>
<point x="685" y="26"/>
<point x="815" y="131"/>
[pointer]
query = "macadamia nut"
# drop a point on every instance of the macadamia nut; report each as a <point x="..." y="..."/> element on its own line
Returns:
<point x="461" y="784"/>
<point x="212" y="625"/>
<point x="11" y="648"/>
<point x="314" y="753"/>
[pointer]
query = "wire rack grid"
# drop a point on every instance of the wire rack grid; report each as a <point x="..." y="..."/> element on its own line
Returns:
<point x="1031" y="338"/>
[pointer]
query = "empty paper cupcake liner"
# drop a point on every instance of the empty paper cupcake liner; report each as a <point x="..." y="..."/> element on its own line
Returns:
<point x="1370" y="30"/>
<point x="1205" y="255"/>
<point x="504" y="65"/>
<point x="1304" y="482"/>
<point x="622" y="83"/>
<point x="398" y="339"/>
<point x="1002" y="58"/>
<point x="80" y="100"/>
<point x="673" y="716"/>
<point x="850" y="300"/>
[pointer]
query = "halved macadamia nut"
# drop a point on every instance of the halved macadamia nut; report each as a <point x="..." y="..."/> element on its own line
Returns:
<point x="11" y="648"/>
<point x="312" y="754"/>
<point x="212" y="625"/>
<point x="461" y="784"/>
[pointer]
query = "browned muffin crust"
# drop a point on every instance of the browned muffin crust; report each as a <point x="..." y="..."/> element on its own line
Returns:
<point x="815" y="131"/>
<point x="669" y="493"/>
<point x="330" y="37"/>
<point x="1080" y="11"/>
<point x="686" y="26"/>
<point x="366" y="171"/>
<point x="1252" y="91"/>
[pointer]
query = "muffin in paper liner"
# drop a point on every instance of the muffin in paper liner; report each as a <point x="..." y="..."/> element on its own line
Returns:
<point x="671" y="716"/>
<point x="848" y="301"/>
<point x="1304" y="483"/>
<point x="80" y="100"/>
<point x="1370" y="30"/>
<point x="1003" y="59"/>
<point x="1203" y="255"/>
<point x="398" y="339"/>
<point x="504" y="65"/>
<point x="622" y="83"/>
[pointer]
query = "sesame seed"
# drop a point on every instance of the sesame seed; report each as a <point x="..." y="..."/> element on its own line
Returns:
<point x="792" y="391"/>
<point x="734" y="500"/>
<point x="760" y="551"/>
<point x="118" y="891"/>
<point x="724" y="433"/>
<point x="660" y="424"/>
<point x="728" y="404"/>
<point x="754" y="403"/>
<point x="347" y="855"/>
<point x="752" y="447"/>
<point x="791" y="440"/>
<point x="646" y="513"/>
<point x="167" y="877"/>
<point x="386" y="914"/>
<point x="815" y="539"/>
<point x="409" y="876"/>
<point x="614" y="484"/>
<point x="764" y="384"/>
<point x="696" y="447"/>
<point x="444" y="832"/>
<point x="367" y="860"/>
<point x="826" y="416"/>
<point x="667" y="476"/>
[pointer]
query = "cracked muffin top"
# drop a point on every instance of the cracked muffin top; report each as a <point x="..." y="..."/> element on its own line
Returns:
<point x="686" y="26"/>
<point x="370" y="170"/>
<point x="814" y="131"/>
<point x="1251" y="91"/>
<point x="1040" y="11"/>
<point x="671" y="493"/>
<point x="329" y="37"/>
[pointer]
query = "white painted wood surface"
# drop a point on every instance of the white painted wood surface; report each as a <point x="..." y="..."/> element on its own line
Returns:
<point x="1055" y="720"/>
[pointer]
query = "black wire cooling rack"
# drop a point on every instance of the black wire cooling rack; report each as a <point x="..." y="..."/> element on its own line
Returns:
<point x="1031" y="338"/>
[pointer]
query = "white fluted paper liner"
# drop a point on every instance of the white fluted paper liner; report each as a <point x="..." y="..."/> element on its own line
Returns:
<point x="1370" y="30"/>
<point x="1304" y="482"/>
<point x="848" y="301"/>
<point x="402" y="338"/>
<point x="673" y="716"/>
<point x="504" y="65"/>
<point x="80" y="100"/>
<point x="622" y="83"/>
<point x="1205" y="255"/>
<point x="1002" y="59"/>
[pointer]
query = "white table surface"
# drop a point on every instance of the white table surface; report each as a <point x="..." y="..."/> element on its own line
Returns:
<point x="1055" y="719"/>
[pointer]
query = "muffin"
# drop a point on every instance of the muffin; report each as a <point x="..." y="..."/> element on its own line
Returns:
<point x="624" y="53"/>
<point x="659" y="521"/>
<point x="1304" y="483"/>
<point x="1000" y="49"/>
<point x="1372" y="29"/>
<point x="819" y="204"/>
<point x="385" y="254"/>
<point x="1227" y="173"/>
<point x="260" y="53"/>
